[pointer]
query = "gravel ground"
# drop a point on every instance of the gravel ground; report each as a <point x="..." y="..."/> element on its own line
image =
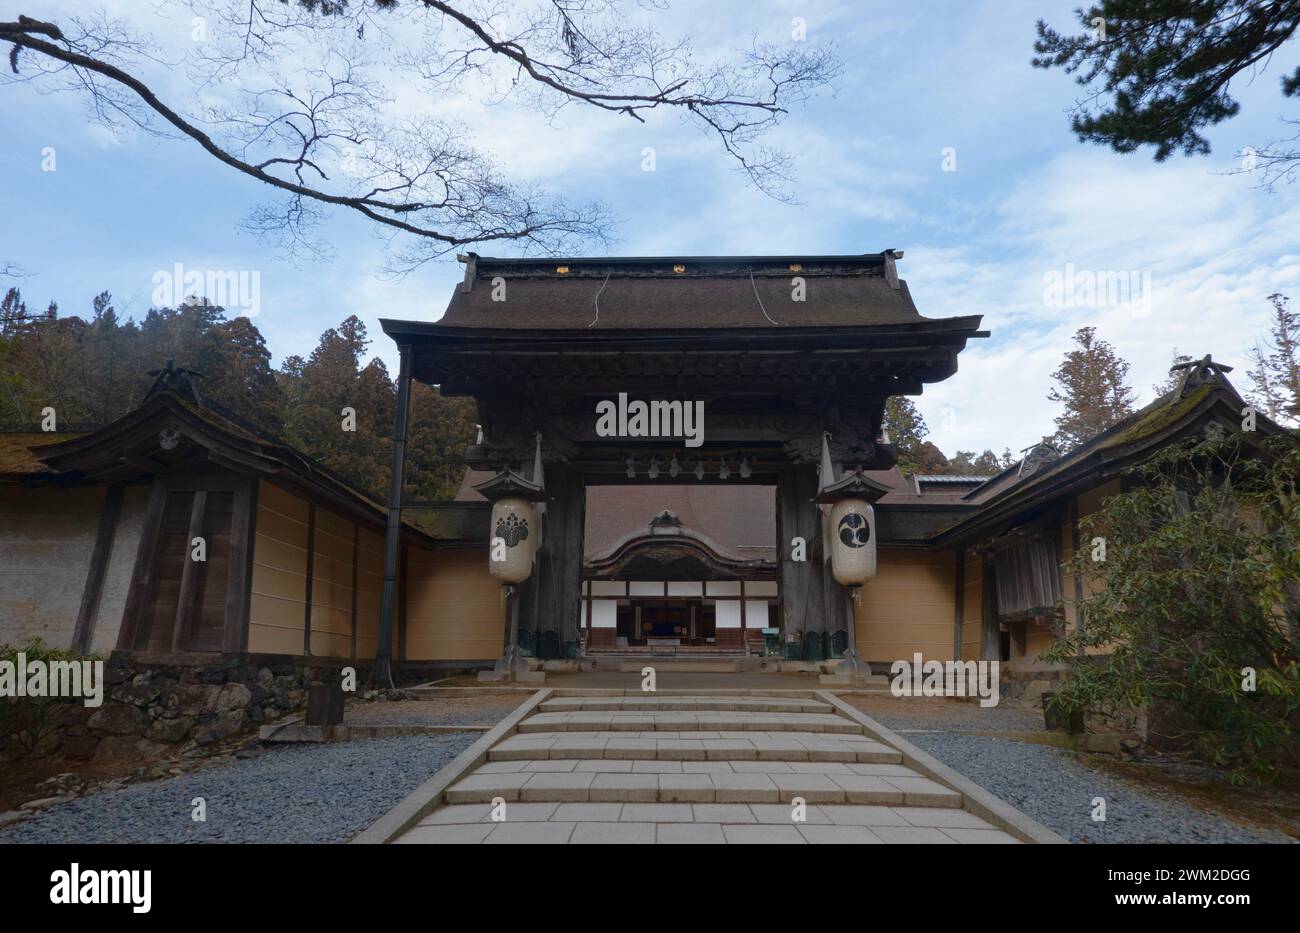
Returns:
<point x="905" y="714"/>
<point x="443" y="711"/>
<point x="1057" y="788"/>
<point x="298" y="793"/>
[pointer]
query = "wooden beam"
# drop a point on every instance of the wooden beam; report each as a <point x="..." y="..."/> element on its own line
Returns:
<point x="1074" y="555"/>
<point x="99" y="557"/>
<point x="590" y="610"/>
<point x="311" y="560"/>
<point x="356" y="561"/>
<point x="402" y="579"/>
<point x="188" y="597"/>
<point x="991" y="645"/>
<point x="142" y="572"/>
<point x="959" y="609"/>
<point x="800" y="583"/>
<point x="239" y="579"/>
<point x="141" y="462"/>
<point x="550" y="597"/>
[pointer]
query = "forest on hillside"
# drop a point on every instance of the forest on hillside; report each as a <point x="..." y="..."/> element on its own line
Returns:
<point x="92" y="368"/>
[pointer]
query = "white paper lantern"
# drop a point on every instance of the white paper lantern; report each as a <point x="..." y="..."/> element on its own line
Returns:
<point x="514" y="539"/>
<point x="853" y="541"/>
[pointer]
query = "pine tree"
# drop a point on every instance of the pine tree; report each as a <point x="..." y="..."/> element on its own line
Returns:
<point x="440" y="430"/>
<point x="1170" y="382"/>
<point x="907" y="431"/>
<point x="968" y="463"/>
<point x="242" y="380"/>
<point x="1091" y="385"/>
<point x="1275" y="375"/>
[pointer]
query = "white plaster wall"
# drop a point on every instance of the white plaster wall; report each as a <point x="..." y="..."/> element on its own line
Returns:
<point x="727" y="613"/>
<point x="46" y="538"/>
<point x="755" y="613"/>
<point x="604" y="613"/>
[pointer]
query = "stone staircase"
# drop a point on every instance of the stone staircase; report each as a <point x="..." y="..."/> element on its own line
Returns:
<point x="655" y="768"/>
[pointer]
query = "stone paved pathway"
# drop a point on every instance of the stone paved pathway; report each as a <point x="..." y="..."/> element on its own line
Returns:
<point x="696" y="769"/>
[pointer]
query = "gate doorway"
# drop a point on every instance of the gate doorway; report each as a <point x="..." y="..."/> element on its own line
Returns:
<point x="678" y="568"/>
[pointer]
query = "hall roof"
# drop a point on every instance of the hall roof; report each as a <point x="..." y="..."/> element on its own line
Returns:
<point x="584" y="322"/>
<point x="646" y="293"/>
<point x="134" y="448"/>
<point x="1203" y="397"/>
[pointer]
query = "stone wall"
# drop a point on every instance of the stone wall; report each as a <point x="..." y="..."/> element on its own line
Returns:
<point x="152" y="710"/>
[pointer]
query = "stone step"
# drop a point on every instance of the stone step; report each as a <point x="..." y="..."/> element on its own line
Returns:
<point x="680" y="665"/>
<point x="687" y="703"/>
<point x="696" y="746"/>
<point x="686" y="721"/>
<point x="748" y="787"/>
<point x="700" y="823"/>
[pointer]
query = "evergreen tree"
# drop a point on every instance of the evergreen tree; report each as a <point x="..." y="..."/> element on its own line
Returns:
<point x="1170" y="382"/>
<point x="1275" y="375"/>
<point x="440" y="430"/>
<point x="242" y="379"/>
<point x="1091" y="384"/>
<point x="907" y="431"/>
<point x="968" y="463"/>
<point x="1158" y="72"/>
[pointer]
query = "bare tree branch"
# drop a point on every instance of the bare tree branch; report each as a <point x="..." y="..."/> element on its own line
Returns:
<point x="325" y="133"/>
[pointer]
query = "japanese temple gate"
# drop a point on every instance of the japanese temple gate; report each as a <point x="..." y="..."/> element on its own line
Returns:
<point x="781" y="351"/>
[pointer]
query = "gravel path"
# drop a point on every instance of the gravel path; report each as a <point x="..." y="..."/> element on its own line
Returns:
<point x="905" y="714"/>
<point x="298" y="793"/>
<point x="443" y="711"/>
<point x="1056" y="788"/>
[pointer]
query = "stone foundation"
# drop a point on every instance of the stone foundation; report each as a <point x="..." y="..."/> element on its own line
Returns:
<point x="152" y="709"/>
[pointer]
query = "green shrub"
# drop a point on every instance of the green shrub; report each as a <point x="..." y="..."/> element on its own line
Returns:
<point x="26" y="721"/>
<point x="1201" y="580"/>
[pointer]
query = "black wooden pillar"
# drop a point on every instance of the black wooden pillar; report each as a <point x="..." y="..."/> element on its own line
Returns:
<point x="808" y="596"/>
<point x="550" y="600"/>
<point x="383" y="673"/>
<point x="990" y="633"/>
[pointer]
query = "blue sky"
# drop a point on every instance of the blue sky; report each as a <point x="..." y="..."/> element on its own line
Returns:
<point x="1026" y="200"/>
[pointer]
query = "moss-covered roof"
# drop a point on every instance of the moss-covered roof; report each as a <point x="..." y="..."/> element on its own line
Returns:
<point x="16" y="457"/>
<point x="1165" y="412"/>
<point x="210" y="425"/>
<point x="1107" y="454"/>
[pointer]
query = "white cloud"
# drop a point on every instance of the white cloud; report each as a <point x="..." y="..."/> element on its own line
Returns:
<point x="1215" y="249"/>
